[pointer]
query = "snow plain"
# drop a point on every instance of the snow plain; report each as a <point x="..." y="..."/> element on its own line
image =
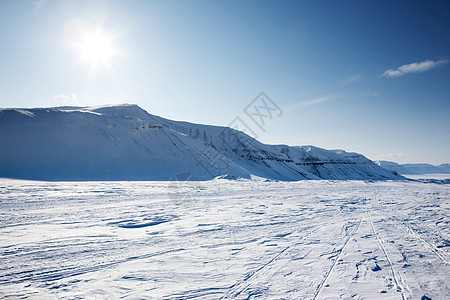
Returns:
<point x="224" y="239"/>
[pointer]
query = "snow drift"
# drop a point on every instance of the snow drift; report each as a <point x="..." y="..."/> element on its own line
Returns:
<point x="124" y="142"/>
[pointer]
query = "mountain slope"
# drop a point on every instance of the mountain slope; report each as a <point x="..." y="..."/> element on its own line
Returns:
<point x="414" y="169"/>
<point x="124" y="142"/>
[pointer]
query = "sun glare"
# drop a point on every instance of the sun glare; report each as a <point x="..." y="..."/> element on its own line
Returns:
<point x="94" y="45"/>
<point x="96" y="48"/>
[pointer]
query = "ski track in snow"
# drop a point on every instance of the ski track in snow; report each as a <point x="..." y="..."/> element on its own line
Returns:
<point x="386" y="255"/>
<point x="224" y="240"/>
<point x="327" y="274"/>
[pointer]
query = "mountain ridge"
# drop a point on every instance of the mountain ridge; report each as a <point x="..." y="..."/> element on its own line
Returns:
<point x="125" y="142"/>
<point x="414" y="168"/>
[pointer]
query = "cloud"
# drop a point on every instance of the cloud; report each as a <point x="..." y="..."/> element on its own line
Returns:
<point x="414" y="68"/>
<point x="38" y="5"/>
<point x="68" y="99"/>
<point x="311" y="102"/>
<point x="351" y="79"/>
<point x="317" y="100"/>
<point x="370" y="94"/>
<point x="389" y="156"/>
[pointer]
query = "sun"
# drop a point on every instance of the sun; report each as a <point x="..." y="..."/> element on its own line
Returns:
<point x="96" y="47"/>
<point x="93" y="44"/>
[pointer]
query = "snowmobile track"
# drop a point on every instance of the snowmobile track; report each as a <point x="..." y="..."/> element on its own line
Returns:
<point x="400" y="288"/>
<point x="238" y="288"/>
<point x="327" y="274"/>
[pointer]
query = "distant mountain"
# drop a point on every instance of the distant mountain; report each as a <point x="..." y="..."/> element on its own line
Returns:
<point x="124" y="142"/>
<point x="414" y="169"/>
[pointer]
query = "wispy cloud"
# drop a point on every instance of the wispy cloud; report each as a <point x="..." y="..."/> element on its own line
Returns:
<point x="390" y="156"/>
<point x="311" y="102"/>
<point x="370" y="94"/>
<point x="71" y="99"/>
<point x="351" y="79"/>
<point x="317" y="100"/>
<point x="414" y="68"/>
<point x="38" y="5"/>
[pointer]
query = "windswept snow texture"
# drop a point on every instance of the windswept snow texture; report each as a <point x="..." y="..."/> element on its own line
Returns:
<point x="124" y="142"/>
<point x="224" y="239"/>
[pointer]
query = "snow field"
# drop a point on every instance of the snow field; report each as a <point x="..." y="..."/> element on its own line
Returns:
<point x="224" y="239"/>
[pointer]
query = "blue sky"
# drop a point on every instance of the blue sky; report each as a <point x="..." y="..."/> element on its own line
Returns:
<point x="365" y="76"/>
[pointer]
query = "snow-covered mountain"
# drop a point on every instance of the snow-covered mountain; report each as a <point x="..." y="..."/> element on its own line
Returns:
<point x="414" y="169"/>
<point x="124" y="142"/>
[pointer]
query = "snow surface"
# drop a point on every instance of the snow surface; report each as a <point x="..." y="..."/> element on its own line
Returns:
<point x="224" y="239"/>
<point x="124" y="142"/>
